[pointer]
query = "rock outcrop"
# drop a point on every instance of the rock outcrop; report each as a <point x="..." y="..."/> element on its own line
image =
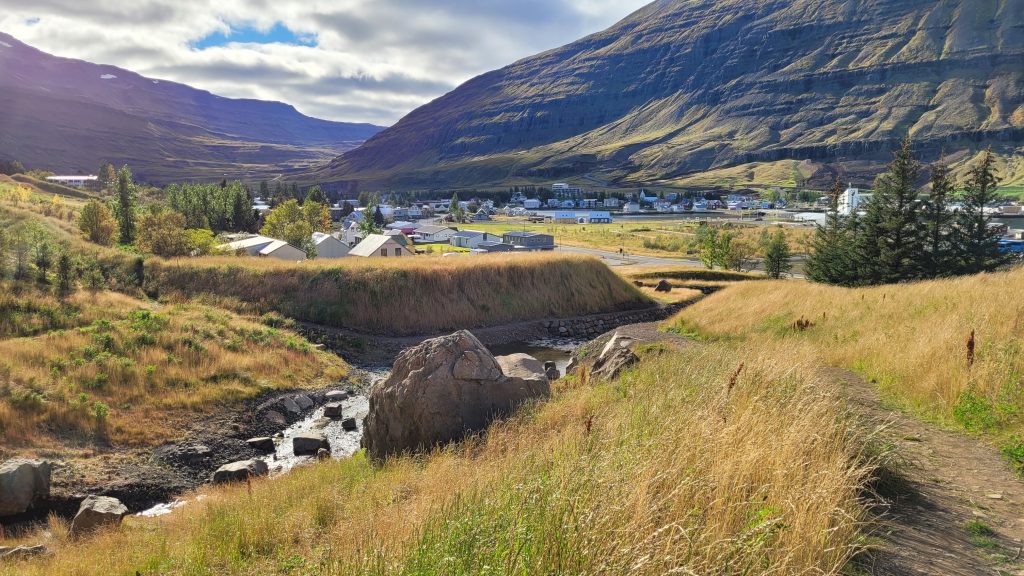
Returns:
<point x="23" y="483"/>
<point x="309" y="443"/>
<point x="441" y="390"/>
<point x="240" y="471"/>
<point x="97" y="512"/>
<point x="616" y="356"/>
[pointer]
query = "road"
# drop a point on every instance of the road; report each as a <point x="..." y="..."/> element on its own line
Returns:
<point x="614" y="259"/>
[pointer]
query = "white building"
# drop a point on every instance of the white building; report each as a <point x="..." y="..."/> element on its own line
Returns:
<point x="597" y="218"/>
<point x="851" y="200"/>
<point x="329" y="247"/>
<point x="631" y="207"/>
<point x="266" y="247"/>
<point x="472" y="239"/>
<point x="562" y="217"/>
<point x="380" y="246"/>
<point x="433" y="234"/>
<point x="611" y="203"/>
<point x="532" y="204"/>
<point x="74" y="181"/>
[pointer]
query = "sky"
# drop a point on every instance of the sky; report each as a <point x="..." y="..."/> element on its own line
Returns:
<point x="351" y="60"/>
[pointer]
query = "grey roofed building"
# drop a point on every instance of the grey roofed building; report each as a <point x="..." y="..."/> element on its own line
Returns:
<point x="380" y="245"/>
<point x="529" y="240"/>
<point x="495" y="247"/>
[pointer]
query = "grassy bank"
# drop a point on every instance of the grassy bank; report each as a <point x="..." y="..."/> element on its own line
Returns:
<point x="666" y="471"/>
<point x="911" y="339"/>
<point x="107" y="368"/>
<point x="402" y="296"/>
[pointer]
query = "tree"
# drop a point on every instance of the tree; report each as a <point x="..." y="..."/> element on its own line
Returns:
<point x="296" y="224"/>
<point x="829" y="260"/>
<point x="243" y="217"/>
<point x="346" y="208"/>
<point x="126" y="205"/>
<point x="264" y="190"/>
<point x="43" y="258"/>
<point x="316" y="194"/>
<point x="776" y="256"/>
<point x="11" y="167"/>
<point x="65" y="275"/>
<point x="22" y="247"/>
<point x="707" y="239"/>
<point x="4" y="242"/>
<point x="938" y="225"/>
<point x="378" y="217"/>
<point x="200" y="242"/>
<point x="97" y="223"/>
<point x="106" y="176"/>
<point x="162" y="233"/>
<point x="454" y="209"/>
<point x="977" y="242"/>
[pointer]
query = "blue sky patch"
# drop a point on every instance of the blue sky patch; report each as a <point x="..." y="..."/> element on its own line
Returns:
<point x="278" y="34"/>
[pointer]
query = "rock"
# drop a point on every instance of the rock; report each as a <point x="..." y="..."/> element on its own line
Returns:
<point x="304" y="402"/>
<point x="323" y="454"/>
<point x="663" y="286"/>
<point x="336" y="396"/>
<point x="551" y="371"/>
<point x="610" y="365"/>
<point x="441" y="390"/>
<point x="333" y="410"/>
<point x="290" y="405"/>
<point x="616" y="341"/>
<point x="309" y="443"/>
<point x="276" y="418"/>
<point x="261" y="444"/>
<point x="521" y="366"/>
<point x="240" y="471"/>
<point x="349" y="424"/>
<point x="23" y="483"/>
<point x="20" y="552"/>
<point x="638" y="284"/>
<point x="97" y="512"/>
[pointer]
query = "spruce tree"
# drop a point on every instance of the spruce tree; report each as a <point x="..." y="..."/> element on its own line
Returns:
<point x="938" y="224"/>
<point x="65" y="278"/>
<point x="126" y="205"/>
<point x="977" y="242"/>
<point x="830" y="248"/>
<point x="776" y="257"/>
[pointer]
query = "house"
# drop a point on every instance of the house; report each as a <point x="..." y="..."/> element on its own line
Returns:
<point x="481" y="216"/>
<point x="405" y="227"/>
<point x="555" y="202"/>
<point x="529" y="240"/>
<point x="379" y="245"/>
<point x="564" y="218"/>
<point x="489" y="247"/>
<point x="567" y="204"/>
<point x="588" y="203"/>
<point x="75" y="181"/>
<point x="432" y="234"/>
<point x="598" y="218"/>
<point x="264" y="246"/>
<point x="851" y="200"/>
<point x="399" y="237"/>
<point x="532" y="204"/>
<point x="353" y="218"/>
<point x="329" y="247"/>
<point x="399" y="212"/>
<point x="415" y="212"/>
<point x="631" y="207"/>
<point x="351" y="234"/>
<point x="472" y="239"/>
<point x="611" y="203"/>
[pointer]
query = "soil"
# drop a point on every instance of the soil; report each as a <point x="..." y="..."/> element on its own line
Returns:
<point x="940" y="484"/>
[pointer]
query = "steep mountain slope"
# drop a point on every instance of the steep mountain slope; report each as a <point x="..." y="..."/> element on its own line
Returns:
<point x="683" y="86"/>
<point x="68" y="116"/>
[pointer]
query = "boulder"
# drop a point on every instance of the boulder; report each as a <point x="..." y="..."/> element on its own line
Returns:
<point x="240" y="471"/>
<point x="441" y="390"/>
<point x="21" y="552"/>
<point x="616" y="341"/>
<point x="23" y="483"/>
<point x="309" y="443"/>
<point x="609" y="366"/>
<point x="551" y="371"/>
<point x="349" y="424"/>
<point x="97" y="512"/>
<point x="336" y="396"/>
<point x="333" y="410"/>
<point x="522" y="366"/>
<point x="663" y="286"/>
<point x="261" y="444"/>
<point x="275" y="418"/>
<point x="323" y="454"/>
<point x="304" y="402"/>
<point x="289" y="405"/>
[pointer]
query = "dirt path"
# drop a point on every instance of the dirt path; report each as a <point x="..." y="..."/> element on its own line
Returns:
<point x="953" y="507"/>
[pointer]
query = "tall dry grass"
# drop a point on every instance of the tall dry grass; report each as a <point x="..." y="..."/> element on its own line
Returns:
<point x="420" y="295"/>
<point x="670" y="470"/>
<point x="911" y="339"/>
<point x="111" y="367"/>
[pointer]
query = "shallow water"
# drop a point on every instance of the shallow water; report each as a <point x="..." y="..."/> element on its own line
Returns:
<point x="343" y="443"/>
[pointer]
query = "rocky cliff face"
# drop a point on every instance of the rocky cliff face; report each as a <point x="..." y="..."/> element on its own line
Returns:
<point x="68" y="115"/>
<point x="688" y="85"/>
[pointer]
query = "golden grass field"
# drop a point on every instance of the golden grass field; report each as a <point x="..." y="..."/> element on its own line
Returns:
<point x="665" y="471"/>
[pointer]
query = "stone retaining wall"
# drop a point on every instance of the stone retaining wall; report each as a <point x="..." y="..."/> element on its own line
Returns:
<point x="593" y="326"/>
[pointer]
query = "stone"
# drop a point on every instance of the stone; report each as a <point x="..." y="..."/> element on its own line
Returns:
<point x="240" y="471"/>
<point x="274" y="417"/>
<point x="349" y="424"/>
<point x="441" y="390"/>
<point x="323" y="454"/>
<point x="610" y="365"/>
<point x="333" y="410"/>
<point x="261" y="444"/>
<point x="551" y="370"/>
<point x="309" y="443"/>
<point x="21" y="552"/>
<point x="616" y="341"/>
<point x="290" y="406"/>
<point x="304" y="402"/>
<point x="521" y="366"/>
<point x="638" y="284"/>
<point x="663" y="286"/>
<point x="336" y="396"/>
<point x="97" y="512"/>
<point x="22" y="484"/>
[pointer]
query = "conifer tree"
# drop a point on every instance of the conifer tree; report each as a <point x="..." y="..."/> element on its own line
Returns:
<point x="776" y="257"/>
<point x="829" y="260"/>
<point x="126" y="205"/>
<point x="65" y="279"/>
<point x="938" y="223"/>
<point x="977" y="242"/>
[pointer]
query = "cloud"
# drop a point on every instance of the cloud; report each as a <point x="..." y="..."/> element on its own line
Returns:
<point x="358" y="60"/>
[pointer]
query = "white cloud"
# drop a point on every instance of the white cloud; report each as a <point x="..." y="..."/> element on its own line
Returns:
<point x="375" y="60"/>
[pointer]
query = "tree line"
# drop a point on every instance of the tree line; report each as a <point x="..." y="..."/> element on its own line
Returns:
<point x="903" y="237"/>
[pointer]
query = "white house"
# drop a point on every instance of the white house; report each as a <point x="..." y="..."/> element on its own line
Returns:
<point x="380" y="246"/>
<point x="631" y="207"/>
<point x="74" y="181"/>
<point x="851" y="200"/>
<point x="328" y="246"/>
<point x="597" y="218"/>
<point x="611" y="203"/>
<point x="415" y="212"/>
<point x="562" y="217"/>
<point x="433" y="234"/>
<point x="264" y="246"/>
<point x="472" y="239"/>
<point x="555" y="202"/>
<point x="568" y="204"/>
<point x="532" y="204"/>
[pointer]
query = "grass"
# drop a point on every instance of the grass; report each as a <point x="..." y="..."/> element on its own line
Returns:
<point x="910" y="339"/>
<point x="108" y="367"/>
<point x="402" y="296"/>
<point x="665" y="471"/>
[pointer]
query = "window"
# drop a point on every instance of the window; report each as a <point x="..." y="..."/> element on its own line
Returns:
<point x="398" y="251"/>
<point x="383" y="251"/>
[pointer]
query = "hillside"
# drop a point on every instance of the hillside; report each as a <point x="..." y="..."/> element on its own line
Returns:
<point x="67" y="115"/>
<point x="684" y="86"/>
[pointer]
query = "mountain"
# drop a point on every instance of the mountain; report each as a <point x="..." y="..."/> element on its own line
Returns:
<point x="69" y="116"/>
<point x="686" y="86"/>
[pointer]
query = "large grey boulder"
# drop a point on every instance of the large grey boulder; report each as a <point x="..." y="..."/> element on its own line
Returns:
<point x="441" y="390"/>
<point x="333" y="409"/>
<point x="522" y="366"/>
<point x="23" y="483"/>
<point x="309" y="443"/>
<point x="240" y="471"/>
<point x="616" y="356"/>
<point x="97" y="512"/>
